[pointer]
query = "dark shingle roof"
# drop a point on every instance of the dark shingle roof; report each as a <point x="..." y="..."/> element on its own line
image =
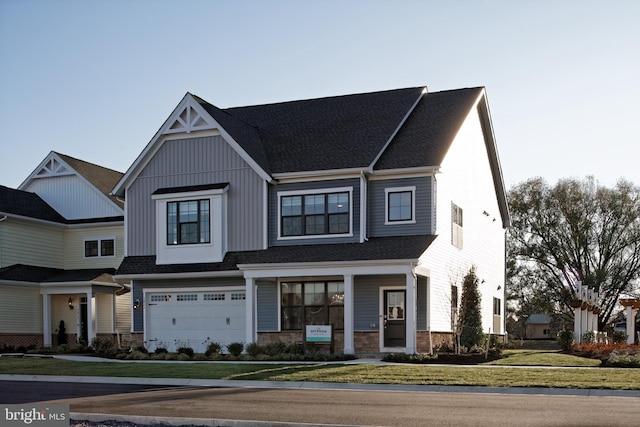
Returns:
<point x="318" y="134"/>
<point x="102" y="178"/>
<point x="427" y="134"/>
<point x="34" y="274"/>
<point x="381" y="248"/>
<point x="24" y="203"/>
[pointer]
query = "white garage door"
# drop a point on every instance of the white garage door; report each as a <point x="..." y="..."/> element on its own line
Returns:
<point x="193" y="319"/>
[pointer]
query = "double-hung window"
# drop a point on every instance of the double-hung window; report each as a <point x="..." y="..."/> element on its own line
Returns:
<point x="188" y="222"/>
<point x="314" y="214"/>
<point x="400" y="203"/>
<point x="312" y="303"/>
<point x="456" y="225"/>
<point x="99" y="248"/>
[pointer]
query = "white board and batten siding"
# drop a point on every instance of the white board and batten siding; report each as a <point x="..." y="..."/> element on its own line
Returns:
<point x="73" y="197"/>
<point x="194" y="317"/>
<point x="466" y="180"/>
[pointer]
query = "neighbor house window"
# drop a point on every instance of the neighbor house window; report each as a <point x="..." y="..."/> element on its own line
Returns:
<point x="400" y="203"/>
<point x="314" y="214"/>
<point x="188" y="222"/>
<point x="456" y="225"/>
<point x="312" y="303"/>
<point x="99" y="248"/>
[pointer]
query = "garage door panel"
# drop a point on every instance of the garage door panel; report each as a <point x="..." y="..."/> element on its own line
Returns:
<point x="195" y="318"/>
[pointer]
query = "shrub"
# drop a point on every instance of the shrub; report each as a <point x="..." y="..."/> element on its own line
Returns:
<point x="141" y="349"/>
<point x="410" y="358"/>
<point x="254" y="350"/>
<point x="213" y="348"/>
<point x="275" y="348"/>
<point x="186" y="350"/>
<point x="589" y="337"/>
<point x="62" y="333"/>
<point x="104" y="345"/>
<point x="235" y="348"/>
<point x="161" y="350"/>
<point x="183" y="356"/>
<point x="295" y="349"/>
<point x="565" y="339"/>
<point x="171" y="356"/>
<point x="199" y="357"/>
<point x="470" y="320"/>
<point x="619" y="337"/>
<point x="623" y="360"/>
<point x="137" y="355"/>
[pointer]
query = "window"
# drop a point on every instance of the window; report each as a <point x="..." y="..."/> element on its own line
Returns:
<point x="187" y="297"/>
<point x="318" y="303"/>
<point x="400" y="203"/>
<point x="188" y="222"/>
<point x="497" y="309"/>
<point x="99" y="248"/>
<point x="456" y="225"/>
<point x="314" y="214"/>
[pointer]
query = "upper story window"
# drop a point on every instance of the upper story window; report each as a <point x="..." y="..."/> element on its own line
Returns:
<point x="100" y="248"/>
<point x="456" y="225"/>
<point x="188" y="222"/>
<point x="191" y="224"/>
<point x="318" y="213"/>
<point x="400" y="205"/>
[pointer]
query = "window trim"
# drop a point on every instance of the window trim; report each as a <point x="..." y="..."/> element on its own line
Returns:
<point x="313" y="192"/>
<point x="99" y="240"/>
<point x="391" y="190"/>
<point x="215" y="249"/>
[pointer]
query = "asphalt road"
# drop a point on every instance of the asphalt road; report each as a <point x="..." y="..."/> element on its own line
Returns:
<point x="332" y="406"/>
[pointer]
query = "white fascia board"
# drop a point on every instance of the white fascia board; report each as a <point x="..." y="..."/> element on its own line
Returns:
<point x="96" y="224"/>
<point x="404" y="172"/>
<point x="319" y="175"/>
<point x="32" y="175"/>
<point x="160" y="136"/>
<point x="174" y="276"/>
<point x="395" y="132"/>
<point x="20" y="283"/>
<point x="257" y="271"/>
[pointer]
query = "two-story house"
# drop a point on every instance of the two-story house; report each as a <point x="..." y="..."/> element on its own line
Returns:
<point x="363" y="212"/>
<point x="61" y="240"/>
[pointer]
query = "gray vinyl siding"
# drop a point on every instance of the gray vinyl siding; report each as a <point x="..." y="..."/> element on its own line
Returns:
<point x="175" y="286"/>
<point x="197" y="161"/>
<point x="377" y="207"/>
<point x="267" y="307"/>
<point x="367" y="300"/>
<point x="302" y="186"/>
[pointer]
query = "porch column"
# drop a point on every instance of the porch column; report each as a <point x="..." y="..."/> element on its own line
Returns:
<point x="410" y="314"/>
<point x="577" y="327"/>
<point x="631" y="324"/>
<point x="250" y="309"/>
<point x="349" y="347"/>
<point x="46" y="319"/>
<point x="91" y="318"/>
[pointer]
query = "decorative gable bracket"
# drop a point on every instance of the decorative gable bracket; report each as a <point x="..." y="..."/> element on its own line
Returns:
<point x="53" y="167"/>
<point x="190" y="118"/>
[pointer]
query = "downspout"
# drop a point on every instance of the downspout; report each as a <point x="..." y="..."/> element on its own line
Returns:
<point x="363" y="207"/>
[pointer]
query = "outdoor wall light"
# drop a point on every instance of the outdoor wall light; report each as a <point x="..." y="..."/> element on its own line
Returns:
<point x="70" y="304"/>
<point x="136" y="304"/>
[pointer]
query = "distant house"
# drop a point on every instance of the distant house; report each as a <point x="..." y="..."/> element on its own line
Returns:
<point x="362" y="212"/>
<point x="61" y="240"/>
<point x="538" y="326"/>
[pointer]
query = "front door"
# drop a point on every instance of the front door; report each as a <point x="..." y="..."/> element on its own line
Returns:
<point x="84" y="330"/>
<point x="393" y="318"/>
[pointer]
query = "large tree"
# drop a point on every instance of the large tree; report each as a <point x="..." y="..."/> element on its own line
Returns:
<point x="574" y="231"/>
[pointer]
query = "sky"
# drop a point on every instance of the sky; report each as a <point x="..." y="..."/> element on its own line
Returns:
<point x="96" y="79"/>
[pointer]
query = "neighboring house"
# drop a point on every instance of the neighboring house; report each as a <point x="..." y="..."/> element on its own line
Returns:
<point x="538" y="326"/>
<point x="61" y="240"/>
<point x="363" y="212"/>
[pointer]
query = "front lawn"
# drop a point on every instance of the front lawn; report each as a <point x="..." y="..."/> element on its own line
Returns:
<point x="491" y="376"/>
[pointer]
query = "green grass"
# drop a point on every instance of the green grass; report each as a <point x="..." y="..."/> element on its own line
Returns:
<point x="542" y="358"/>
<point x="492" y="376"/>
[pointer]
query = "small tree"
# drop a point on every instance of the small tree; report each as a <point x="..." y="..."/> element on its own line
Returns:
<point x="470" y="318"/>
<point x="62" y="333"/>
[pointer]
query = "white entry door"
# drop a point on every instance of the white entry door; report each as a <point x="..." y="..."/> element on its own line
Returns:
<point x="194" y="318"/>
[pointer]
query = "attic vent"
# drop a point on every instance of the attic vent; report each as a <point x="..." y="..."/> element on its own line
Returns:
<point x="53" y="168"/>
<point x="188" y="120"/>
